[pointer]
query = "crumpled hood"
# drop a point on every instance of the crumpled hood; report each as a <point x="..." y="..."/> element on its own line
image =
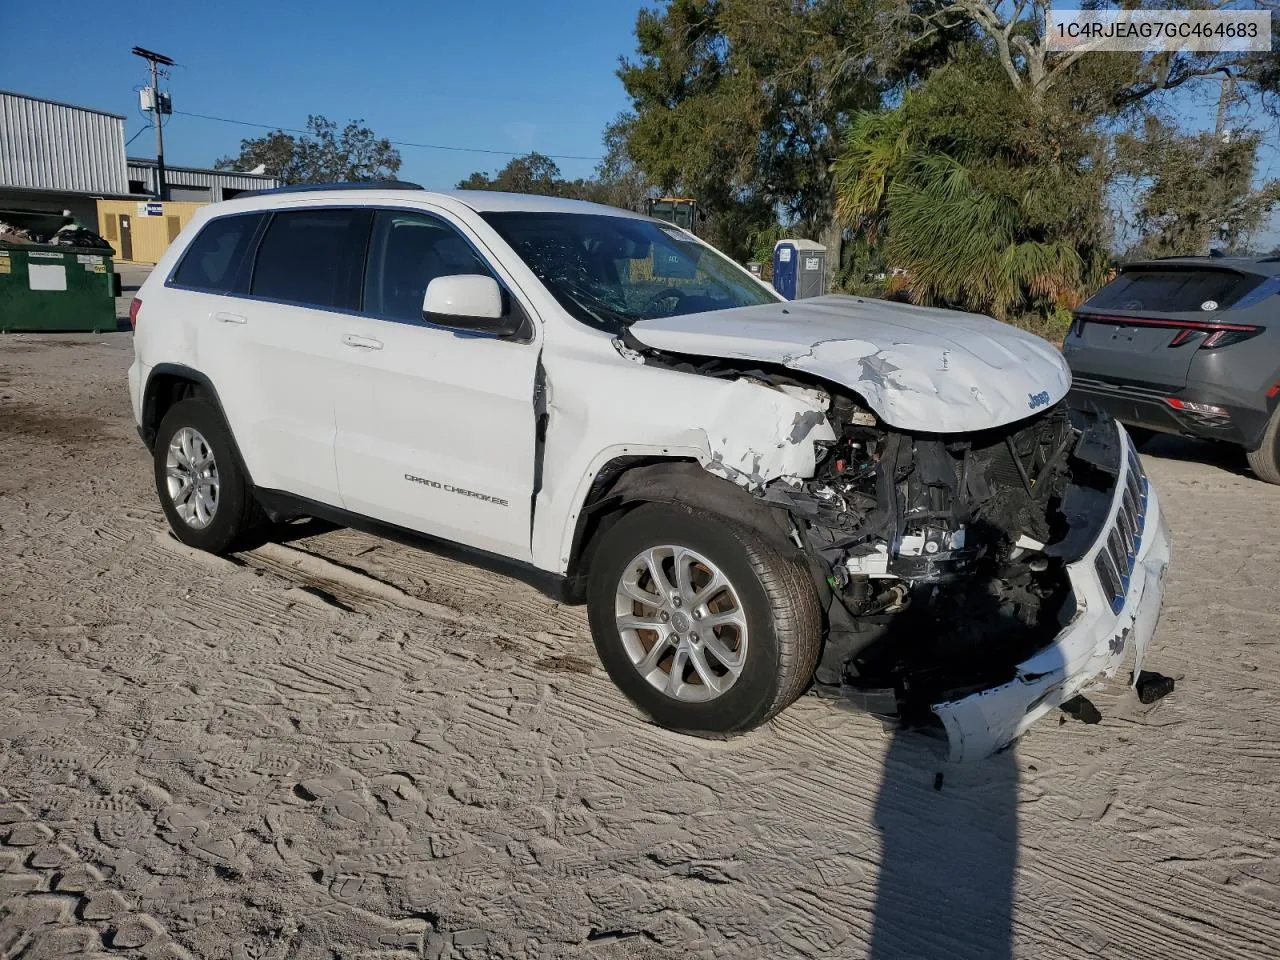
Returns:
<point x="919" y="369"/>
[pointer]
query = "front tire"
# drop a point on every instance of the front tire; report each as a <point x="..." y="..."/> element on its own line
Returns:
<point x="706" y="626"/>
<point x="1265" y="461"/>
<point x="203" y="490"/>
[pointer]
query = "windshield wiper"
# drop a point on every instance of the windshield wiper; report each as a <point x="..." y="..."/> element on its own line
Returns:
<point x="577" y="295"/>
<point x="588" y="311"/>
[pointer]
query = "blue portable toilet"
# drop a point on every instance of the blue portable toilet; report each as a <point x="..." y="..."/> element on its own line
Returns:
<point x="799" y="269"/>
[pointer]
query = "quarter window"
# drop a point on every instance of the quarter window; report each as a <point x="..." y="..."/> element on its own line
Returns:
<point x="312" y="257"/>
<point x="213" y="260"/>
<point x="406" y="252"/>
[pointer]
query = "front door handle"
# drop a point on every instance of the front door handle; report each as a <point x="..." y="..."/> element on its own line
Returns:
<point x="364" y="343"/>
<point x="229" y="317"/>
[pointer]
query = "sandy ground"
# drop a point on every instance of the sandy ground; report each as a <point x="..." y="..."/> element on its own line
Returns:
<point x="340" y="747"/>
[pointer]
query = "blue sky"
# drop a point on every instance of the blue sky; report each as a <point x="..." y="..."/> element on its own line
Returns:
<point x="498" y="74"/>
<point x="506" y="75"/>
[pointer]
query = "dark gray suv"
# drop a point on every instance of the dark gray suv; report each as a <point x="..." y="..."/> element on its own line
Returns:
<point x="1186" y="345"/>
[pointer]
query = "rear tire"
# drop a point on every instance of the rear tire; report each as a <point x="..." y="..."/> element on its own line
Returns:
<point x="202" y="487"/>
<point x="1265" y="461"/>
<point x="769" y="595"/>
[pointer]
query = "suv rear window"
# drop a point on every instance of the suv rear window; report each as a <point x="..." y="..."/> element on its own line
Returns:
<point x="213" y="260"/>
<point x="313" y="257"/>
<point x="1173" y="290"/>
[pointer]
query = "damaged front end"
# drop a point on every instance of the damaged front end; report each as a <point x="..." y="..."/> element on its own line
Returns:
<point x="977" y="580"/>
<point x="986" y="552"/>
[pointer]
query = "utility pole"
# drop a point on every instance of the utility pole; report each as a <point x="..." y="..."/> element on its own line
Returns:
<point x="156" y="60"/>
<point x="1226" y="96"/>
<point x="1222" y="228"/>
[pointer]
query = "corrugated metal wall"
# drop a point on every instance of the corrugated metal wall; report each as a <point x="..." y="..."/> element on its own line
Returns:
<point x="52" y="146"/>
<point x="214" y="181"/>
<point x="149" y="237"/>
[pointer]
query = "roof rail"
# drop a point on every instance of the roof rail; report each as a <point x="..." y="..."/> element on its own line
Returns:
<point x="352" y="185"/>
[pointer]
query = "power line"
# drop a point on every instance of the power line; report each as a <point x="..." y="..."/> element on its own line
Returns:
<point x="397" y="143"/>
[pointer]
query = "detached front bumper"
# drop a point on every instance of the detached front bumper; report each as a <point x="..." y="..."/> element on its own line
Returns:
<point x="1118" y="586"/>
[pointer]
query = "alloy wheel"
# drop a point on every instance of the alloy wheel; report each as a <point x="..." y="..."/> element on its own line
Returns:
<point x="191" y="475"/>
<point x="682" y="623"/>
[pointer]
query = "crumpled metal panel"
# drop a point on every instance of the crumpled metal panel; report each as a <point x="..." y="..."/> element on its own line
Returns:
<point x="1093" y="645"/>
<point x="919" y="369"/>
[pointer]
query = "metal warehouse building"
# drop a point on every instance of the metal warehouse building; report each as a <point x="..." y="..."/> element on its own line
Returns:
<point x="194" y="185"/>
<point x="55" y="157"/>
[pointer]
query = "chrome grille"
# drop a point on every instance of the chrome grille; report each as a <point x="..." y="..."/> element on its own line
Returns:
<point x="1115" y="562"/>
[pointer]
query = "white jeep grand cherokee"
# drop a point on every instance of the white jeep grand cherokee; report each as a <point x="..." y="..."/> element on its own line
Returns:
<point x="890" y="503"/>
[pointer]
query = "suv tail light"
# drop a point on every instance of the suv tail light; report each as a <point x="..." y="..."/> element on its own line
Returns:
<point x="1216" y="334"/>
<point x="1225" y="338"/>
<point x="135" y="305"/>
<point x="1203" y="409"/>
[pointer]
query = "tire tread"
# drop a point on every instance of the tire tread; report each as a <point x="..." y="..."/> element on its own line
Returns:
<point x="1265" y="461"/>
<point x="797" y="617"/>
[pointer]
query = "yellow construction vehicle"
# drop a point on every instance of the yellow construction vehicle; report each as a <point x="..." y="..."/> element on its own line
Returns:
<point x="681" y="211"/>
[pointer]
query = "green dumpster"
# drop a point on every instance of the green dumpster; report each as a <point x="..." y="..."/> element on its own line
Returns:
<point x="51" y="287"/>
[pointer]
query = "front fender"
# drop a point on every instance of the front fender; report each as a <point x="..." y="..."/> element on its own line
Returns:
<point x="740" y="430"/>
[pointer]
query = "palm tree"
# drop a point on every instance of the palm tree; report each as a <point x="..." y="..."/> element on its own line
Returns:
<point x="960" y="230"/>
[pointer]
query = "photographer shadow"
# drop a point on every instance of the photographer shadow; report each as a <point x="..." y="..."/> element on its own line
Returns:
<point x="949" y="855"/>
<point x="949" y="831"/>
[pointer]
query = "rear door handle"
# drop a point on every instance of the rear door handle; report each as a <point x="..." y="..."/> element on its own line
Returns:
<point x="364" y="343"/>
<point x="229" y="317"/>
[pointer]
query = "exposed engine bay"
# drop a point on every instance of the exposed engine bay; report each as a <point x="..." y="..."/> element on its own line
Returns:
<point x="946" y="552"/>
<point x="943" y="553"/>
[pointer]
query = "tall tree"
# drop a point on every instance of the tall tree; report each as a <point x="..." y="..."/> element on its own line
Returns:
<point x="1018" y="36"/>
<point x="617" y="181"/>
<point x="531" y="173"/>
<point x="986" y="200"/>
<point x="1198" y="191"/>
<point x="324" y="154"/>
<point x="988" y="184"/>
<point x="740" y="104"/>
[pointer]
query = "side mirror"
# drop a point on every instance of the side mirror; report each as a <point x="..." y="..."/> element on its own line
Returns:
<point x="469" y="302"/>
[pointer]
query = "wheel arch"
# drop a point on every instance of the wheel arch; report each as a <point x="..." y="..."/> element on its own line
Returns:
<point x="627" y="482"/>
<point x="166" y="385"/>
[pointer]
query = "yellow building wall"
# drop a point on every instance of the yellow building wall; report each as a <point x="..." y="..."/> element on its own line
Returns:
<point x="148" y="237"/>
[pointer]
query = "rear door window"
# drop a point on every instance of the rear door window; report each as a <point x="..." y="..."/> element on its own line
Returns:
<point x="1173" y="290"/>
<point x="313" y="258"/>
<point x="408" y="250"/>
<point x="213" y="260"/>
